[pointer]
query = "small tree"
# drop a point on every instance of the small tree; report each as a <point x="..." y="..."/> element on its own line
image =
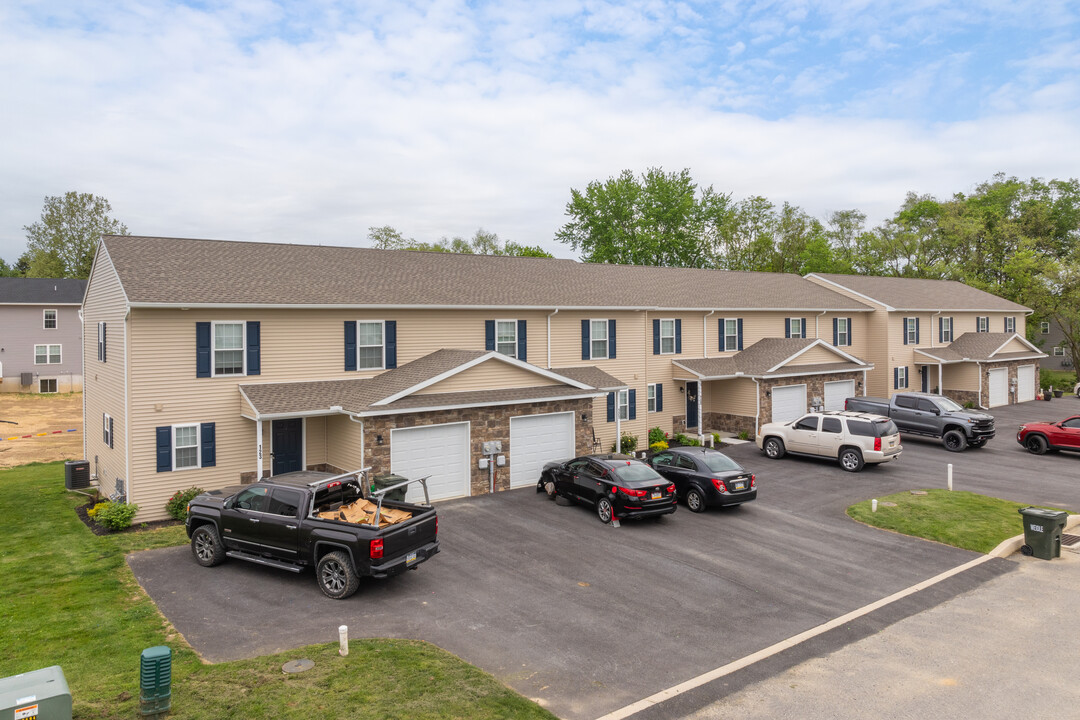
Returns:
<point x="62" y="243"/>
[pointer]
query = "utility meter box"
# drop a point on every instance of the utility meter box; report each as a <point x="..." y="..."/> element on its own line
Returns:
<point x="37" y="695"/>
<point x="491" y="447"/>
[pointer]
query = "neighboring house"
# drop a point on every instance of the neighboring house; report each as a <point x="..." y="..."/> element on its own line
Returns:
<point x="944" y="336"/>
<point x="221" y="362"/>
<point x="41" y="335"/>
<point x="1050" y="338"/>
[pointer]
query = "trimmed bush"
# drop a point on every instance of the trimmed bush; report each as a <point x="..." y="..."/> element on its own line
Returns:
<point x="177" y="504"/>
<point x="116" y="516"/>
<point x="657" y="435"/>
<point x="658" y="446"/>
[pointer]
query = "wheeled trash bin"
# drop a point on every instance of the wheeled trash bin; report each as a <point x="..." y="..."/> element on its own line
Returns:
<point x="385" y="480"/>
<point x="1042" y="532"/>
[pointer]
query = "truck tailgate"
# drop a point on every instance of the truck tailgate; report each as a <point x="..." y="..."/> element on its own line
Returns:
<point x="403" y="538"/>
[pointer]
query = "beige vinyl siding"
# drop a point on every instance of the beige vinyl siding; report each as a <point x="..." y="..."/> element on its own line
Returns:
<point x="344" y="439"/>
<point x="1015" y="345"/>
<point x="732" y="397"/>
<point x="960" y="376"/>
<point x="314" y="441"/>
<point x="488" y="375"/>
<point x="103" y="388"/>
<point x="817" y="356"/>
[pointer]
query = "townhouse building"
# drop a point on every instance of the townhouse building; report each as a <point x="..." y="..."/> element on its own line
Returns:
<point x="41" y="335"/>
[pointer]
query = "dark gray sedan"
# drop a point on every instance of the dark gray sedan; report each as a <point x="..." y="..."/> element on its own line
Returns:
<point x="704" y="477"/>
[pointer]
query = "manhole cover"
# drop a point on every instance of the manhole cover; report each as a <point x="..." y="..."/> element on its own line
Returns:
<point x="295" y="666"/>
<point x="918" y="492"/>
<point x="1070" y="540"/>
<point x="885" y="503"/>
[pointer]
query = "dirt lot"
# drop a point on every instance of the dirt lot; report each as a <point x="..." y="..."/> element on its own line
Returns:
<point x="40" y="414"/>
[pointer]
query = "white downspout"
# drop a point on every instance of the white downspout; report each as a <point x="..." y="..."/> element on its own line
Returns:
<point x="259" y="446"/>
<point x="705" y="333"/>
<point x="939" y="326"/>
<point x="363" y="459"/>
<point x="618" y="421"/>
<point x="757" y="396"/>
<point x="864" y="388"/>
<point x="979" y="365"/>
<point x="817" y="324"/>
<point x="941" y="379"/>
<point x="549" y="337"/>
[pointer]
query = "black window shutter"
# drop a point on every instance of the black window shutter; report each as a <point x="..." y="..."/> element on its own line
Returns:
<point x="254" y="364"/>
<point x="678" y="336"/>
<point x="721" y="329"/>
<point x="896" y="378"/>
<point x="586" y="350"/>
<point x="836" y="331"/>
<point x="611" y="338"/>
<point x="738" y="324"/>
<point x="656" y="337"/>
<point x="611" y="407"/>
<point x="917" y="331"/>
<point x="489" y="335"/>
<point x="112" y="438"/>
<point x="350" y="345"/>
<point x="905" y="330"/>
<point x="164" y="448"/>
<point x="849" y="331"/>
<point x="523" y="345"/>
<point x="99" y="328"/>
<point x="787" y="327"/>
<point x="659" y="397"/>
<point x="803" y="323"/>
<point x="104" y="342"/>
<point x="202" y="353"/>
<point x="633" y="404"/>
<point x="940" y="329"/>
<point x="952" y="330"/>
<point x="907" y="376"/>
<point x="391" y="344"/>
<point x="209" y="451"/>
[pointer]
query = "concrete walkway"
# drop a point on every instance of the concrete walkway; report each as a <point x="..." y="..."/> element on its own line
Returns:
<point x="1004" y="649"/>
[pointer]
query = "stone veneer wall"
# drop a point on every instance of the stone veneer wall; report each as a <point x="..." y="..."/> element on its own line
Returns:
<point x="815" y="386"/>
<point x="485" y="424"/>
<point x="1011" y="365"/>
<point x="963" y="396"/>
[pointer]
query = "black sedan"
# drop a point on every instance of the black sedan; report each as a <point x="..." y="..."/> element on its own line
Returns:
<point x="617" y="485"/>
<point x="705" y="477"/>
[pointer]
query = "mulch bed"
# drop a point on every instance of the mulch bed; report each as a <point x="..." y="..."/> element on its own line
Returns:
<point x="80" y="511"/>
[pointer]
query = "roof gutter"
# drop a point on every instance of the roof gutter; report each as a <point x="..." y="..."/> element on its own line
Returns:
<point x="550" y="315"/>
<point x="431" y="306"/>
<point x="705" y="332"/>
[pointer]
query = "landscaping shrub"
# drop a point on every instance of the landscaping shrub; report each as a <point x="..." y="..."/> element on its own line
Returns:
<point x="92" y="512"/>
<point x="628" y="443"/>
<point x="658" y="446"/>
<point x="657" y="435"/>
<point x="177" y="505"/>
<point x="744" y="434"/>
<point x="686" y="440"/>
<point x="115" y="516"/>
<point x="716" y="439"/>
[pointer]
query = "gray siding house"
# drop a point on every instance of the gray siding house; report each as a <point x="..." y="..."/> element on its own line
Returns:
<point x="1049" y="336"/>
<point x="41" y="335"/>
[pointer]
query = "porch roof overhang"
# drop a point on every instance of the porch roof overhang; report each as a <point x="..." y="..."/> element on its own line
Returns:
<point x="769" y="358"/>
<point x="980" y="348"/>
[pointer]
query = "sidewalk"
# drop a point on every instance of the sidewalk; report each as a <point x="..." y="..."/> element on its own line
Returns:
<point x="1005" y="649"/>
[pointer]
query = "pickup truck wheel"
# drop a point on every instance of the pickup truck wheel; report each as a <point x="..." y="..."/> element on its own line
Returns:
<point x="206" y="546"/>
<point x="604" y="511"/>
<point x="695" y="500"/>
<point x="337" y="578"/>
<point x="774" y="448"/>
<point x="954" y="441"/>
<point x="1036" y="444"/>
<point x="851" y="459"/>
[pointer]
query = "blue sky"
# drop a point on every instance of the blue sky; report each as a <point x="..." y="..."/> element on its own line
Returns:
<point x="312" y="122"/>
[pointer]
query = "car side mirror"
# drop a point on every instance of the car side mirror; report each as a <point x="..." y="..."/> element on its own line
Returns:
<point x="228" y="503"/>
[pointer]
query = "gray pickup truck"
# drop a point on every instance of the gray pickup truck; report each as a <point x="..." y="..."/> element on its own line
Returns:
<point x="931" y="415"/>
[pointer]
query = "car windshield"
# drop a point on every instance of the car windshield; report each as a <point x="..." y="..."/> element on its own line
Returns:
<point x="636" y="473"/>
<point x="882" y="427"/>
<point x="719" y="462"/>
<point x="948" y="405"/>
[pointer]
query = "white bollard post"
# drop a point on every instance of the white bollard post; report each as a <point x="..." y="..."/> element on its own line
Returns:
<point x="343" y="640"/>
<point x="950" y="477"/>
<point x="873" y="505"/>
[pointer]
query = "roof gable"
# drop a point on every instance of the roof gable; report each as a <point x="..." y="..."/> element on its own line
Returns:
<point x="488" y="373"/>
<point x="921" y="294"/>
<point x="983" y="347"/>
<point x="772" y="356"/>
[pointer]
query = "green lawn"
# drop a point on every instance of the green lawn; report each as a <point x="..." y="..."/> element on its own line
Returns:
<point x="69" y="599"/>
<point x="962" y="519"/>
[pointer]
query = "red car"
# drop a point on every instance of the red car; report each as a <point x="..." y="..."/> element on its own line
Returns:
<point x="1038" y="437"/>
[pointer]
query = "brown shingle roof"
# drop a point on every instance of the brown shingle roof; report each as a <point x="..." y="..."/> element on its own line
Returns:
<point x="194" y="272"/>
<point x="922" y="294"/>
<point x="979" y="347"/>
<point x="591" y="376"/>
<point x="761" y="357"/>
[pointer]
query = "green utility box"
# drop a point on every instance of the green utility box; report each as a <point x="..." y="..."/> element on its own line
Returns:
<point x="1042" y="532"/>
<point x="386" y="480"/>
<point x="37" y="695"/>
<point x="155" y="680"/>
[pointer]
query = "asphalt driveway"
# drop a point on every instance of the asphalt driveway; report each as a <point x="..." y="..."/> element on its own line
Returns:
<point x="586" y="618"/>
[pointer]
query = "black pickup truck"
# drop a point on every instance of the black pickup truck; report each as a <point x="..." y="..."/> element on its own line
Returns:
<point x="931" y="415"/>
<point x="302" y="519"/>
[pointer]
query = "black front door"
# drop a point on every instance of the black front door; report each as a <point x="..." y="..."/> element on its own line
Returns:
<point x="288" y="439"/>
<point x="691" y="404"/>
<point x="925" y="372"/>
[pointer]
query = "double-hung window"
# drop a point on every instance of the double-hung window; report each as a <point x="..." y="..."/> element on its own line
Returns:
<point x="107" y="429"/>
<point x="731" y="335"/>
<point x="1010" y="324"/>
<point x="185" y="447"/>
<point x="47" y="354"/>
<point x="946" y="329"/>
<point x="982" y="324"/>
<point x="911" y="331"/>
<point x="652" y="397"/>
<point x="901" y="377"/>
<point x="228" y="348"/>
<point x="101" y="354"/>
<point x="843" y="332"/>
<point x="369" y="345"/>
<point x="1059" y="351"/>
<point x="598" y="333"/>
<point x="667" y="337"/>
<point x="623" y="404"/>
<point x="1044" y="328"/>
<point x="50" y="320"/>
<point x="506" y="337"/>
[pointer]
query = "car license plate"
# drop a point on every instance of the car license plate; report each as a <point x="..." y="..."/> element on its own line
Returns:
<point x="410" y="558"/>
<point x="740" y="486"/>
<point x="656" y="496"/>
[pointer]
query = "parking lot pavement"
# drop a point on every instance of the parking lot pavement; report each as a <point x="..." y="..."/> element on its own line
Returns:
<point x="587" y="618"/>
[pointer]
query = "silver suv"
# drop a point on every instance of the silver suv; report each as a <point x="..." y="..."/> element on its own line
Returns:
<point x="853" y="438"/>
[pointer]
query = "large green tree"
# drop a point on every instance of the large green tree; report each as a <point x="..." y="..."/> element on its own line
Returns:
<point x="62" y="243"/>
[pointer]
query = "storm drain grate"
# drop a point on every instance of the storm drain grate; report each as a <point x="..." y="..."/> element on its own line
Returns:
<point x="1070" y="540"/>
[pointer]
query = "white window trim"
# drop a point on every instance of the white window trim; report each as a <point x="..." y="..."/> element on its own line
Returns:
<point x="1059" y="351"/>
<point x="514" y="323"/>
<point x="198" y="447"/>
<point x="48" y="392"/>
<point x="622" y="405"/>
<point x="672" y="336"/>
<point x="946" y="329"/>
<point x="1010" y="324"/>
<point x="911" y="332"/>
<point x="382" y="355"/>
<point x="734" y="335"/>
<point x="650" y="394"/>
<point x="106" y="436"/>
<point x="101" y="339"/>
<point x="214" y="348"/>
<point x="982" y="324"/>
<point x="45" y="320"/>
<point x="48" y="354"/>
<point x="901" y="377"/>
<point x="1044" y="328"/>
<point x="843" y="337"/>
<point x="791" y="327"/>
<point x="592" y="338"/>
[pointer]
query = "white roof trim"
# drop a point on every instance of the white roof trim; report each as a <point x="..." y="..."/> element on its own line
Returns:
<point x="433" y="408"/>
<point x="1016" y="336"/>
<point x="816" y="343"/>
<point x="543" y="308"/>
<point x="888" y="307"/>
<point x="490" y="355"/>
<point x="696" y="374"/>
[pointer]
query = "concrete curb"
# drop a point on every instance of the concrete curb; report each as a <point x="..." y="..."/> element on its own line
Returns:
<point x="1008" y="547"/>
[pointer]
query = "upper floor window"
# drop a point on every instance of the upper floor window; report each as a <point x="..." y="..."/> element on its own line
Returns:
<point x="946" y="329"/>
<point x="843" y="331"/>
<point x="731" y="334"/>
<point x="101" y="355"/>
<point x="1044" y="328"/>
<point x="50" y="320"/>
<point x="796" y="328"/>
<point x="506" y="337"/>
<point x="369" y="345"/>
<point x="982" y="324"/>
<point x="598" y="331"/>
<point x="911" y="331"/>
<point x="47" y="354"/>
<point x="229" y="348"/>
<point x="667" y="337"/>
<point x="1059" y="351"/>
<point x="1010" y="324"/>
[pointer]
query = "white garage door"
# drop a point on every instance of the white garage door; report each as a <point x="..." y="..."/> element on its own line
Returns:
<point x="788" y="402"/>
<point x="441" y="451"/>
<point x="999" y="387"/>
<point x="837" y="392"/>
<point x="1025" y="383"/>
<point x="538" y="439"/>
